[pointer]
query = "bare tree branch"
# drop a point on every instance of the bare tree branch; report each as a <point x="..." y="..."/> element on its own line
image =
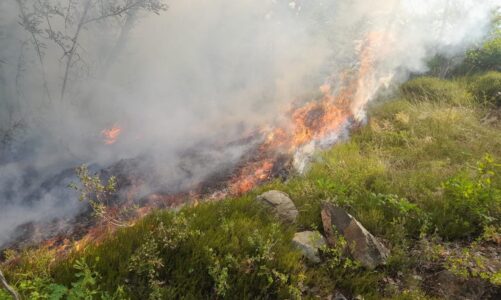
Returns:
<point x="153" y="6"/>
<point x="116" y="13"/>
<point x="71" y="52"/>
<point x="8" y="288"/>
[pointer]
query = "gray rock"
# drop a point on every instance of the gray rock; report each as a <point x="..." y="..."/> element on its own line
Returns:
<point x="281" y="204"/>
<point x="309" y="242"/>
<point x="339" y="296"/>
<point x="364" y="247"/>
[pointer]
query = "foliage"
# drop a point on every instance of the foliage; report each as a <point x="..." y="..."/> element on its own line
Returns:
<point x="469" y="263"/>
<point x="487" y="57"/>
<point x="346" y="273"/>
<point x="39" y="286"/>
<point x="225" y="249"/>
<point x="468" y="205"/>
<point x="487" y="88"/>
<point x="99" y="195"/>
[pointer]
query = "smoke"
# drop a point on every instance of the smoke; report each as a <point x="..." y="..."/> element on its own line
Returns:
<point x="198" y="76"/>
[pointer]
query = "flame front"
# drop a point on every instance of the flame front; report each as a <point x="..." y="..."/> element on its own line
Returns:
<point x="342" y="100"/>
<point x="319" y="119"/>
<point x="111" y="135"/>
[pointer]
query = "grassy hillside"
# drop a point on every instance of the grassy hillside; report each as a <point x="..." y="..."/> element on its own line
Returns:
<point x="424" y="176"/>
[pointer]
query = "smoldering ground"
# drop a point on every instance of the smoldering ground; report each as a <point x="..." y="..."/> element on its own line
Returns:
<point x="199" y="74"/>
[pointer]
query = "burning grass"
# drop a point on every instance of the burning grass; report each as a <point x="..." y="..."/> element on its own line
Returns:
<point x="417" y="175"/>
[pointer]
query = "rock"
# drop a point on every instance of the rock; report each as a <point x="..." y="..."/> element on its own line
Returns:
<point x="309" y="242"/>
<point x="281" y="204"/>
<point x="339" y="296"/>
<point x="364" y="247"/>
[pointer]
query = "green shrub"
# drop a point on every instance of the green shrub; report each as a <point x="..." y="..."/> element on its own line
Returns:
<point x="486" y="58"/>
<point x="435" y="90"/>
<point x="385" y="214"/>
<point x="468" y="204"/>
<point x="41" y="286"/>
<point x="230" y="249"/>
<point x="487" y="88"/>
<point x="345" y="273"/>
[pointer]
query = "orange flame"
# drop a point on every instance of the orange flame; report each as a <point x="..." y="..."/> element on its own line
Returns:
<point x="317" y="119"/>
<point x="111" y="135"/>
<point x="342" y="97"/>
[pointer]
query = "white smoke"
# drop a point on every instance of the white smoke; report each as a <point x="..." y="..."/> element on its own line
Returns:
<point x="201" y="73"/>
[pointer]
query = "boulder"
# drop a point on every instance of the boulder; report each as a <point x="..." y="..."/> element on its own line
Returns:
<point x="309" y="242"/>
<point x="281" y="204"/>
<point x="364" y="247"/>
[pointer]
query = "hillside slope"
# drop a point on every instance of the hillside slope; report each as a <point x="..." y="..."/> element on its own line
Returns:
<point x="424" y="176"/>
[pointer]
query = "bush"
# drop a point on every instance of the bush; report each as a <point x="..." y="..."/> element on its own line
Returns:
<point x="230" y="249"/>
<point x="468" y="205"/>
<point x="487" y="89"/>
<point x="486" y="58"/>
<point x="435" y="90"/>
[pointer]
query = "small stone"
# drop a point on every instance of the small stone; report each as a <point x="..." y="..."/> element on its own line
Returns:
<point x="309" y="242"/>
<point x="281" y="204"/>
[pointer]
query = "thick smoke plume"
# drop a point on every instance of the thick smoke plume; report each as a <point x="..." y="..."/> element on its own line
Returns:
<point x="197" y="76"/>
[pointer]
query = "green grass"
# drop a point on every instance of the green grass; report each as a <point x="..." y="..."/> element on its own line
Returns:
<point x="425" y="166"/>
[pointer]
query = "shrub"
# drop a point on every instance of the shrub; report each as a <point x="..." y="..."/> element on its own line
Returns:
<point x="468" y="204"/>
<point x="487" y="89"/>
<point x="345" y="273"/>
<point x="384" y="214"/>
<point x="486" y="58"/>
<point x="435" y="90"/>
<point x="230" y="249"/>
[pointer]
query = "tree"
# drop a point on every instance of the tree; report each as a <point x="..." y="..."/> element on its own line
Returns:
<point x="61" y="24"/>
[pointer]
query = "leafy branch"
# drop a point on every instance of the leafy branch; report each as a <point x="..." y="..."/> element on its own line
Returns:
<point x="98" y="195"/>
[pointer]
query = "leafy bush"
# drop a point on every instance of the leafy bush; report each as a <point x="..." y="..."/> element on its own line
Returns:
<point x="42" y="286"/>
<point x="435" y="90"/>
<point x="468" y="204"/>
<point x="232" y="248"/>
<point x="380" y="213"/>
<point x="487" y="88"/>
<point x="345" y="273"/>
<point x="487" y="57"/>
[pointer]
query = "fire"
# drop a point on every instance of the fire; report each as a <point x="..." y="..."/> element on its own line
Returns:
<point x="342" y="98"/>
<point x="319" y="119"/>
<point x="111" y="135"/>
<point x="251" y="175"/>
